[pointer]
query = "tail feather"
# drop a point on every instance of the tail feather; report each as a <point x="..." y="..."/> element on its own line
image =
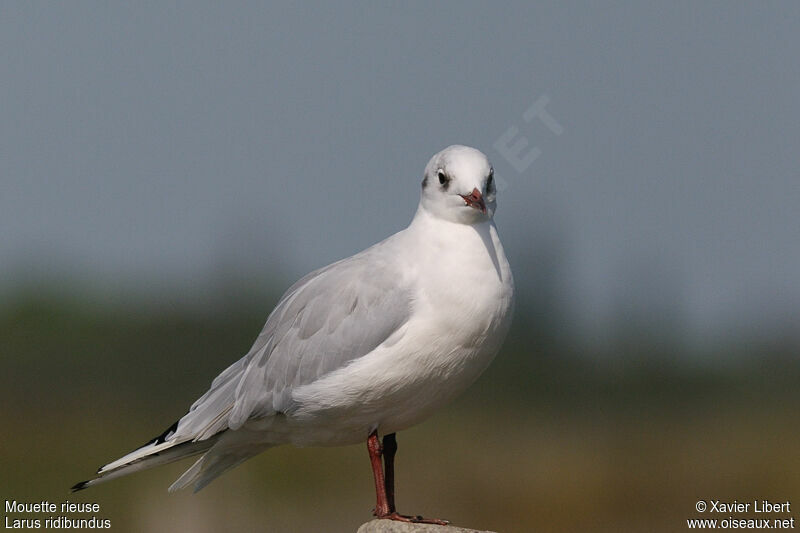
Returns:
<point x="221" y="452"/>
<point x="231" y="449"/>
<point x="207" y="469"/>
<point x="148" y="456"/>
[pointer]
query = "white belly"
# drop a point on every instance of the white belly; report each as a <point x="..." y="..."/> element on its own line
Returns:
<point x="461" y="316"/>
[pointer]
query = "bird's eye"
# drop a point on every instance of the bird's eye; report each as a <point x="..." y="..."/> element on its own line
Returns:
<point x="443" y="179"/>
<point x="490" y="181"/>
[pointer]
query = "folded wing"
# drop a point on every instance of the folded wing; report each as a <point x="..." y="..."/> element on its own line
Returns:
<point x="324" y="321"/>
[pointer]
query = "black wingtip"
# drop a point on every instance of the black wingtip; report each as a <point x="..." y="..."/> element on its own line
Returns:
<point x="79" y="486"/>
<point x="161" y="439"/>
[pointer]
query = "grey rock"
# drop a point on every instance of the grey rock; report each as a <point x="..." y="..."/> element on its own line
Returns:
<point x="392" y="526"/>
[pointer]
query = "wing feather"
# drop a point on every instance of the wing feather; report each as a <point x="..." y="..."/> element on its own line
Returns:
<point x="324" y="321"/>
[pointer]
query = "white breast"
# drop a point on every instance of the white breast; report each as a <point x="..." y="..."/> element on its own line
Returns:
<point x="462" y="312"/>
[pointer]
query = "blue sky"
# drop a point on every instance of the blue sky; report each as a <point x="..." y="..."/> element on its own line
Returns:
<point x="154" y="144"/>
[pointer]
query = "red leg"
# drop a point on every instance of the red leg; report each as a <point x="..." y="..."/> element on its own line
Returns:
<point x="374" y="448"/>
<point x="384" y="483"/>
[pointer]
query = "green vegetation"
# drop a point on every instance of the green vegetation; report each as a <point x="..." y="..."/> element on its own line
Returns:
<point x="550" y="439"/>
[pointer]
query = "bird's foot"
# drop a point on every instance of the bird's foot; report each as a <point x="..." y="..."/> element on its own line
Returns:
<point x="394" y="515"/>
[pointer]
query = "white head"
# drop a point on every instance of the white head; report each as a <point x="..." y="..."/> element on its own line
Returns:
<point x="459" y="186"/>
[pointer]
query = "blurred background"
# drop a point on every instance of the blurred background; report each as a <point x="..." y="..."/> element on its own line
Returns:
<point x="168" y="169"/>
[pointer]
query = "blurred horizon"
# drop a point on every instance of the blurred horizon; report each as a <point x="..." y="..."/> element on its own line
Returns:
<point x="627" y="428"/>
<point x="641" y="304"/>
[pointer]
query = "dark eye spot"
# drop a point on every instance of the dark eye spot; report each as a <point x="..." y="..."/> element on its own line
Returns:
<point x="444" y="179"/>
<point x="490" y="181"/>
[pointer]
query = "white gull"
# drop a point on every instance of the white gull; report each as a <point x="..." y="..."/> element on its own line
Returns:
<point x="369" y="345"/>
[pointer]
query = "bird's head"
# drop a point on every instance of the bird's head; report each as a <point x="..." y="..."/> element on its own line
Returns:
<point x="459" y="186"/>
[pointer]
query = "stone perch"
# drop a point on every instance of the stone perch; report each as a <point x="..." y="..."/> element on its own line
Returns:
<point x="392" y="526"/>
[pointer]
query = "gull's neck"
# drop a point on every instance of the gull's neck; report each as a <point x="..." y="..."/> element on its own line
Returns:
<point x="424" y="219"/>
<point x="475" y="244"/>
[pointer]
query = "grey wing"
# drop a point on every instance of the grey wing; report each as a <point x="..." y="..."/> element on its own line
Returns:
<point x="327" y="319"/>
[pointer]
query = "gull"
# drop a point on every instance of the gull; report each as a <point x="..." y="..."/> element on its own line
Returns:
<point x="372" y="344"/>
